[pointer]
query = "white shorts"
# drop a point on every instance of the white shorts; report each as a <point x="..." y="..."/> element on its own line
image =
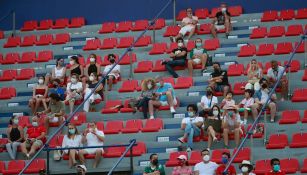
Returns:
<point x="184" y="30"/>
<point x="220" y="27"/>
<point x="165" y="103"/>
<point x="197" y="61"/>
<point x="54" y="119"/>
<point x="92" y="150"/>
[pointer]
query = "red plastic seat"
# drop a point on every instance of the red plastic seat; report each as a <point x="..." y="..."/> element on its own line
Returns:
<point x="301" y="48"/>
<point x="11" y="58"/>
<point x="294" y="30"/>
<point x="79" y="118"/>
<point x="12" y="42"/>
<point x="44" y="40"/>
<point x="304" y="78"/>
<point x="211" y="44"/>
<point x="159" y="24"/>
<point x="106" y="61"/>
<point x="128" y="86"/>
<point x="262" y="166"/>
<point x="113" y="127"/>
<point x="202" y="13"/>
<point x="2" y="166"/>
<point x="109" y="43"/>
<point x="276" y="31"/>
<point x="237" y="88"/>
<point x="244" y="154"/>
<point x="61" y="38"/>
<point x="107" y="27"/>
<point x="125" y="42"/>
<point x="195" y="158"/>
<point x="44" y="56"/>
<point x="271" y="15"/>
<point x="110" y="104"/>
<point x="286" y="15"/>
<point x="216" y="155"/>
<point x="182" y="14"/>
<point x="28" y="41"/>
<point x="140" y="25"/>
<point x="260" y="32"/>
<point x="172" y="46"/>
<point x="173" y="161"/>
<point x="8" y="75"/>
<point x="143" y="41"/>
<point x="183" y="83"/>
<point x="14" y="167"/>
<point x="283" y="48"/>
<point x="7" y="93"/>
<point x="265" y="49"/>
<point x="191" y="45"/>
<point x="36" y="166"/>
<point x="277" y="141"/>
<point x="214" y="11"/>
<point x="92" y="44"/>
<point x="133" y="126"/>
<point x="29" y="25"/>
<point x="299" y="140"/>
<point x="171" y="31"/>
<point x="158" y="48"/>
<point x="204" y="29"/>
<point x="3" y="141"/>
<point x="45" y="24"/>
<point x="301" y="14"/>
<point x="235" y="10"/>
<point x="77" y="22"/>
<point x="61" y="23"/>
<point x="124" y="26"/>
<point x="143" y="66"/>
<point x="294" y="66"/>
<point x="170" y="80"/>
<point x="126" y="108"/>
<point x="1" y="34"/>
<point x="158" y="66"/>
<point x="235" y="70"/>
<point x="25" y="74"/>
<point x="24" y="121"/>
<point x="127" y="59"/>
<point x="247" y="50"/>
<point x="114" y="152"/>
<point x="289" y="165"/>
<point x="138" y="150"/>
<point x="304" y="167"/>
<point x="153" y="125"/>
<point x="299" y="95"/>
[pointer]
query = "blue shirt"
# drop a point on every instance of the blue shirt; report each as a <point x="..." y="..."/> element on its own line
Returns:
<point x="165" y="88"/>
<point x="60" y="91"/>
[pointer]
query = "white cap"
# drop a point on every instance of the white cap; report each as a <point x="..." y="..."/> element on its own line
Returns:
<point x="82" y="166"/>
<point x="182" y="157"/>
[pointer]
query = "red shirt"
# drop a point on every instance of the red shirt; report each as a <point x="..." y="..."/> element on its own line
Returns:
<point x="275" y="173"/>
<point x="34" y="132"/>
<point x="221" y="168"/>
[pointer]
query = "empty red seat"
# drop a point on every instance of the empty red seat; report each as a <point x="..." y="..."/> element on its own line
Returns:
<point x="289" y="165"/>
<point x="111" y="152"/>
<point x="182" y="14"/>
<point x="237" y="89"/>
<point x="3" y="141"/>
<point x="45" y="24"/>
<point x="277" y="141"/>
<point x="23" y="121"/>
<point x="128" y="86"/>
<point x="29" y="25"/>
<point x="107" y="27"/>
<point x="77" y="22"/>
<point x="283" y="48"/>
<point x="44" y="40"/>
<point x="159" y="24"/>
<point x="265" y="49"/>
<point x="195" y="158"/>
<point x="61" y="38"/>
<point x="1" y="34"/>
<point x="304" y="78"/>
<point x="133" y="126"/>
<point x="158" y="48"/>
<point x="158" y="66"/>
<point x="301" y="48"/>
<point x="214" y="11"/>
<point x="202" y="13"/>
<point x="216" y="155"/>
<point x="173" y="158"/>
<point x="244" y="154"/>
<point x="108" y="43"/>
<point x="12" y="42"/>
<point x="143" y="41"/>
<point x="143" y="66"/>
<point x="128" y="58"/>
<point x="289" y="117"/>
<point x="235" y="69"/>
<point x="11" y="58"/>
<point x="36" y="166"/>
<point x="28" y="41"/>
<point x="260" y="32"/>
<point x="125" y="42"/>
<point x="153" y="125"/>
<point x="79" y="118"/>
<point x="138" y="150"/>
<point x="2" y="166"/>
<point x="276" y="31"/>
<point x="262" y="166"/>
<point x="7" y="92"/>
<point x="8" y="75"/>
<point x="271" y="15"/>
<point x="212" y="44"/>
<point x="304" y="167"/>
<point x="301" y="13"/>
<point x="294" y="30"/>
<point x="171" y="31"/>
<point x="190" y="46"/>
<point x="61" y="23"/>
<point x="109" y="106"/>
<point x="299" y="140"/>
<point x="92" y="44"/>
<point x="14" y="167"/>
<point x="204" y="29"/>
<point x="124" y="26"/>
<point x="113" y="127"/>
<point x="235" y="10"/>
<point x="27" y="57"/>
<point x="140" y="25"/>
<point x="294" y="66"/>
<point x="44" y="56"/>
<point x="26" y="74"/>
<point x="247" y="50"/>
<point x="127" y="108"/>
<point x="184" y="82"/>
<point x="286" y="14"/>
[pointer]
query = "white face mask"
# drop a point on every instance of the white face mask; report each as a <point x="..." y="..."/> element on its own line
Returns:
<point x="91" y="78"/>
<point x="180" y="44"/>
<point x="15" y="121"/>
<point x="206" y="158"/>
<point x="71" y="62"/>
<point x="73" y="80"/>
<point x="149" y="86"/>
<point x="244" y="169"/>
<point x="40" y="81"/>
<point x="223" y="9"/>
<point x="215" y="113"/>
<point x="34" y="124"/>
<point x="92" y="60"/>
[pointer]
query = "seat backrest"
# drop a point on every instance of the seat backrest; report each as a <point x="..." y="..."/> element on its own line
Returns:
<point x="115" y="124"/>
<point x="15" y="164"/>
<point x="157" y="122"/>
<point x="112" y="103"/>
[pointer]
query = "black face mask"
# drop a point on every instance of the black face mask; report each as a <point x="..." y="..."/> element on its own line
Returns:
<point x="155" y="162"/>
<point x="209" y="93"/>
<point x="112" y="61"/>
<point x="264" y="86"/>
<point x="216" y="70"/>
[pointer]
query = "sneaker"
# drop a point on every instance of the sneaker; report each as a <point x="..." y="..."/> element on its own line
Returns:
<point x="151" y="117"/>
<point x="180" y="139"/>
<point x="172" y="110"/>
<point x="204" y="70"/>
<point x="189" y="149"/>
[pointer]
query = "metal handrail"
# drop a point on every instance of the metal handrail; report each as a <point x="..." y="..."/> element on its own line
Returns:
<point x="250" y="132"/>
<point x="13" y="20"/>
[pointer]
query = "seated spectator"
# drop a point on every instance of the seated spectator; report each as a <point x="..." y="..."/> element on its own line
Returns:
<point x="75" y="67"/>
<point x="198" y="55"/>
<point x="213" y="124"/>
<point x="92" y="137"/>
<point x="273" y="73"/>
<point x="219" y="80"/>
<point x="247" y="103"/>
<point x="98" y="94"/>
<point x="74" y="91"/>
<point x="164" y="95"/>
<point x="55" y="112"/>
<point x="15" y="136"/>
<point x="114" y="74"/>
<point x="58" y="72"/>
<point x="221" y="21"/>
<point x="179" y="56"/>
<point x="154" y="167"/>
<point x="254" y="74"/>
<point x="81" y="169"/>
<point x="40" y="93"/>
<point x="261" y="96"/>
<point x="275" y="164"/>
<point x="205" y="167"/>
<point x="207" y="102"/>
<point x="90" y="68"/>
<point x="34" y="139"/>
<point x="57" y="89"/>
<point x="183" y="168"/>
<point x="231" y="124"/>
<point x="228" y="101"/>
<point x="72" y="139"/>
<point x="246" y="168"/>
<point x="220" y="170"/>
<point x="191" y="125"/>
<point x="188" y="25"/>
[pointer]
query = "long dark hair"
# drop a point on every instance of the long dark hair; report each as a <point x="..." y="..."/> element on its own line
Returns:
<point x="218" y="109"/>
<point x="11" y="119"/>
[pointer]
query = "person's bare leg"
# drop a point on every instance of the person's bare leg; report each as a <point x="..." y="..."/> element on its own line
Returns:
<point x="170" y="99"/>
<point x="191" y="33"/>
<point x="245" y="114"/>
<point x="226" y="89"/>
<point x="225" y="136"/>
<point x="81" y="156"/>
<point x="33" y="149"/>
<point x="211" y="136"/>
<point x="97" y="157"/>
<point x="150" y="107"/>
<point x="38" y="102"/>
<point x="255" y="107"/>
<point x="31" y="105"/>
<point x="24" y="148"/>
<point x="44" y="101"/>
<point x="72" y="156"/>
<point x="71" y="105"/>
<point x="227" y="27"/>
<point x="47" y="80"/>
<point x="213" y="31"/>
<point x="110" y="83"/>
<point x="237" y="136"/>
<point x="272" y="107"/>
<point x="46" y="124"/>
<point x="204" y="58"/>
<point x="190" y="68"/>
<point x="284" y="89"/>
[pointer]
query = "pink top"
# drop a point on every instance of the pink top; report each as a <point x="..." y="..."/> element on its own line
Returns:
<point x="247" y="103"/>
<point x="186" y="170"/>
<point x="228" y="103"/>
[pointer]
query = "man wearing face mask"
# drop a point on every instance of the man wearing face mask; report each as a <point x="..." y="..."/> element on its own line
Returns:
<point x="198" y="56"/>
<point x="154" y="168"/>
<point x="191" y="126"/>
<point x="81" y="169"/>
<point x="179" y="56"/>
<point x="207" y="102"/>
<point x="221" y="21"/>
<point x="220" y="170"/>
<point x="246" y="168"/>
<point x="219" y="80"/>
<point x="206" y="167"/>
<point x="275" y="164"/>
<point x="273" y="73"/>
<point x="114" y="74"/>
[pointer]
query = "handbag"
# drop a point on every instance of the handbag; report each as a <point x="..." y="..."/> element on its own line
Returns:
<point x="57" y="154"/>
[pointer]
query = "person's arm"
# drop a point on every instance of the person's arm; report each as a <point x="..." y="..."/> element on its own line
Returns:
<point x="8" y="132"/>
<point x="81" y="70"/>
<point x="100" y="87"/>
<point x="43" y="134"/>
<point x="86" y="70"/>
<point x="53" y="72"/>
<point x="214" y="21"/>
<point x="62" y="110"/>
<point x="172" y="55"/>
<point x="98" y="69"/>
<point x="199" y="124"/>
<point x="63" y="73"/>
<point x="183" y="53"/>
<point x="21" y="134"/>
<point x="183" y="124"/>
<point x="83" y="139"/>
<point x="46" y="92"/>
<point x="99" y="136"/>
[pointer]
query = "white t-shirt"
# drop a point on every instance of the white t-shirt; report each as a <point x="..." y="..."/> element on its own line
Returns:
<point x="187" y="20"/>
<point x="206" y="102"/>
<point x="192" y="119"/>
<point x="230" y="121"/>
<point x="206" y="168"/>
<point x="76" y="142"/>
<point x="264" y="96"/>
<point x="75" y="86"/>
<point x="92" y="139"/>
<point x="247" y="103"/>
<point x="274" y="74"/>
<point x="108" y="68"/>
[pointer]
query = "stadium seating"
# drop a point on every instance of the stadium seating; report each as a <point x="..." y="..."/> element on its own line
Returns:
<point x="299" y="140"/>
<point x="143" y="66"/>
<point x="299" y="95"/>
<point x="159" y="24"/>
<point x="107" y="27"/>
<point x="140" y="25"/>
<point x="171" y="31"/>
<point x="44" y="40"/>
<point x="277" y="141"/>
<point x="262" y="166"/>
<point x="276" y="31"/>
<point x="286" y="14"/>
<point x="235" y="70"/>
<point x="294" y="30"/>
<point x="271" y="15"/>
<point x="173" y="161"/>
<point x="265" y="49"/>
<point x="124" y="26"/>
<point x="29" y="25"/>
<point x="301" y="14"/>
<point x="133" y="126"/>
<point x="61" y="23"/>
<point x="12" y="42"/>
<point x="45" y="24"/>
<point x="202" y="13"/>
<point x="14" y="167"/>
<point x="128" y="86"/>
<point x="8" y="75"/>
<point x="28" y="41"/>
<point x="289" y="165"/>
<point x="158" y="48"/>
<point x="108" y="43"/>
<point x="211" y="44"/>
<point x="77" y="22"/>
<point x="61" y="38"/>
<point x="7" y="93"/>
<point x="289" y="117"/>
<point x="247" y="50"/>
<point x="260" y="32"/>
<point x="109" y="107"/>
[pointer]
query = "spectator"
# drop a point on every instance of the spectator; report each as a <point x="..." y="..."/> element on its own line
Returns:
<point x="98" y="94"/>
<point x="72" y="139"/>
<point x="273" y="73"/>
<point x="75" y="67"/>
<point x="179" y="56"/>
<point x="254" y="74"/>
<point x="275" y="164"/>
<point x="81" y="169"/>
<point x="213" y="124"/>
<point x="39" y="94"/>
<point x="15" y="136"/>
<point x="188" y="25"/>
<point x="74" y="91"/>
<point x="261" y="96"/>
<point x="228" y="101"/>
<point x="154" y="167"/>
<point x="34" y="139"/>
<point x="191" y="125"/>
<point x="207" y="102"/>
<point x="206" y="167"/>
<point x="198" y="56"/>
<point x="231" y="124"/>
<point x="221" y="21"/>
<point x="231" y="170"/>
<point x="92" y="67"/>
<point x="246" y="168"/>
<point x="164" y="95"/>
<point x="93" y="137"/>
<point x="219" y="80"/>
<point x="183" y="168"/>
<point x="58" y="72"/>
<point x="247" y="103"/>
<point x="55" y="112"/>
<point x="114" y="74"/>
<point x="57" y="89"/>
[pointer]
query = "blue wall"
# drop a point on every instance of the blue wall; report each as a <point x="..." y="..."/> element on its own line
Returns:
<point x="98" y="11"/>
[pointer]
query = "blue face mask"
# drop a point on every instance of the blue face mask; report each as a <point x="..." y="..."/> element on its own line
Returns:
<point x="224" y="160"/>
<point x="276" y="168"/>
<point x="198" y="44"/>
<point x="230" y="113"/>
<point x="190" y="114"/>
<point x="72" y="131"/>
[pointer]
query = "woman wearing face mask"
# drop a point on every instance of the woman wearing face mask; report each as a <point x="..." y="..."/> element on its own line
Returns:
<point x="213" y="124"/>
<point x="39" y="94"/>
<point x="72" y="139"/>
<point x="207" y="102"/>
<point x="15" y="135"/>
<point x="198" y="56"/>
<point x="74" y="91"/>
<point x="254" y="74"/>
<point x="98" y="94"/>
<point x="58" y="72"/>
<point x="75" y="67"/>
<point x="92" y="66"/>
<point x="183" y="168"/>
<point x="114" y="74"/>
<point x="231" y="124"/>
<point x="246" y="168"/>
